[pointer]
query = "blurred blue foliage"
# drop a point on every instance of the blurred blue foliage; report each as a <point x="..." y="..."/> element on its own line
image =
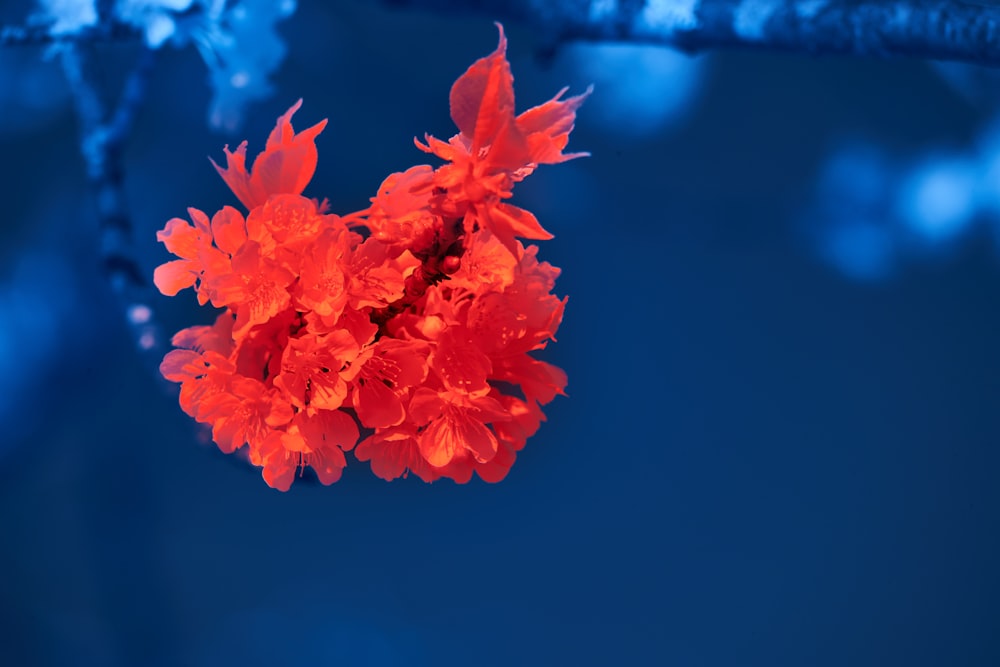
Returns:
<point x="67" y="17"/>
<point x="852" y="225"/>
<point x="238" y="40"/>
<point x="242" y="49"/>
<point x="34" y="306"/>
<point x="757" y="463"/>
<point x="937" y="198"/>
<point x="44" y="321"/>
<point x="873" y="214"/>
<point x="32" y="93"/>
<point x="641" y="89"/>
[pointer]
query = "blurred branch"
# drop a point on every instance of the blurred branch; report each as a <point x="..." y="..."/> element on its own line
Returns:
<point x="931" y="29"/>
<point x="32" y="35"/>
<point x="103" y="137"/>
<point x="964" y="31"/>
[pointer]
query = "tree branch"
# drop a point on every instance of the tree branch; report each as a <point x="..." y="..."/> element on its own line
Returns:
<point x="103" y="137"/>
<point x="34" y="35"/>
<point x="963" y="31"/>
<point x="932" y="29"/>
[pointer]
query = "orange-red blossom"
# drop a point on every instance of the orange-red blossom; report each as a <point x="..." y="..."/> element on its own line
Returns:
<point x="415" y="317"/>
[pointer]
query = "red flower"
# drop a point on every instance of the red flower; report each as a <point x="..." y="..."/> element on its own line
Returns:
<point x="375" y="278"/>
<point x="400" y="214"/>
<point x="286" y="165"/>
<point x="386" y="372"/>
<point x="186" y="242"/>
<point x="317" y="441"/>
<point x="255" y="289"/>
<point x="323" y="278"/>
<point x="394" y="452"/>
<point x="312" y="370"/>
<point x="456" y="425"/>
<point x="412" y="317"/>
<point x="495" y="149"/>
<point x="458" y="359"/>
<point x="247" y="413"/>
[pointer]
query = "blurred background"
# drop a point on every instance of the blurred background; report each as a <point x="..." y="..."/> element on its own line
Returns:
<point x="780" y="441"/>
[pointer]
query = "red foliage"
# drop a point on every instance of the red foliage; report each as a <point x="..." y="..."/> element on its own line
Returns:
<point x="416" y="316"/>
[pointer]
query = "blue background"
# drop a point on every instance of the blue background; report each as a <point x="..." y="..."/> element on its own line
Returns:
<point x="759" y="462"/>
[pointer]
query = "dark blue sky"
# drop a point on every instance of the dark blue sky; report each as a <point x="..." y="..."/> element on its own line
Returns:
<point x="760" y="462"/>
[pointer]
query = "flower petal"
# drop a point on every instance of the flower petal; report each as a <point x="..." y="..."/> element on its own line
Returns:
<point x="179" y="238"/>
<point x="229" y="230"/>
<point x="236" y="177"/>
<point x="482" y="99"/>
<point x="548" y="125"/>
<point x="172" y="277"/>
<point x="377" y="405"/>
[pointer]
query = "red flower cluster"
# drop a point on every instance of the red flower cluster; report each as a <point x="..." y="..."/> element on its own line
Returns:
<point x="416" y="315"/>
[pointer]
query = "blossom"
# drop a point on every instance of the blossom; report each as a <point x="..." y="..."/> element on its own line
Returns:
<point x="246" y="413"/>
<point x="318" y="441"/>
<point x="285" y="166"/>
<point x="455" y="425"/>
<point x="386" y="372"/>
<point x="400" y="214"/>
<point x="394" y="452"/>
<point x="186" y="242"/>
<point x="495" y="149"/>
<point x="312" y="370"/>
<point x="414" y="319"/>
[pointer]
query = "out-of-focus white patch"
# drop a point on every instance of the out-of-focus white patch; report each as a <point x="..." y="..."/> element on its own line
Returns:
<point x="668" y="16"/>
<point x="638" y="89"/>
<point x="602" y="9"/>
<point x="807" y="9"/>
<point x="154" y="17"/>
<point x="159" y="29"/>
<point x="240" y="79"/>
<point x="68" y="16"/>
<point x="139" y="313"/>
<point x="937" y="200"/>
<point x="752" y="16"/>
<point x="147" y="340"/>
<point x="126" y="8"/>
